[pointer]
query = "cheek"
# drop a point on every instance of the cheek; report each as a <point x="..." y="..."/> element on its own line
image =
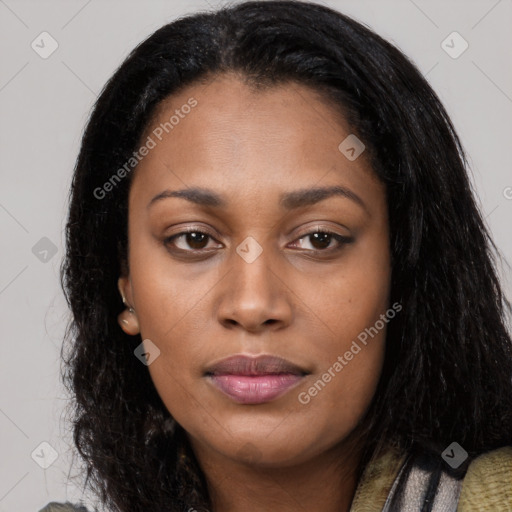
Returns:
<point x="170" y="296"/>
<point x="345" y="386"/>
<point x="176" y="373"/>
<point x="351" y="301"/>
<point x="171" y="313"/>
<point x="348" y="371"/>
<point x="353" y="309"/>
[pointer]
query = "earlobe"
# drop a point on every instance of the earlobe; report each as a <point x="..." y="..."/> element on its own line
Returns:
<point x="128" y="322"/>
<point x="127" y="319"/>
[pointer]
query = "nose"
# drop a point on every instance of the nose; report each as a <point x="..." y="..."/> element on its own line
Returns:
<point x="253" y="296"/>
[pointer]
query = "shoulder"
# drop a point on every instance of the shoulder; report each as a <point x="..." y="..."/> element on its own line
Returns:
<point x="487" y="485"/>
<point x="63" y="507"/>
<point x="377" y="480"/>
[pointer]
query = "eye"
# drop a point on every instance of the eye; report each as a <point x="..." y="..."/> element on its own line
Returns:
<point x="321" y="240"/>
<point x="193" y="240"/>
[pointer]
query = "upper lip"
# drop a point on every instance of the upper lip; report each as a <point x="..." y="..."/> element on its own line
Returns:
<point x="251" y="365"/>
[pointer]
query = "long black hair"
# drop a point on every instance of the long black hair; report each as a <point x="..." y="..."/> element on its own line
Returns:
<point x="447" y="373"/>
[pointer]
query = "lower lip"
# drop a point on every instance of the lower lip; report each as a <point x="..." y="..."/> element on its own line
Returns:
<point x="256" y="389"/>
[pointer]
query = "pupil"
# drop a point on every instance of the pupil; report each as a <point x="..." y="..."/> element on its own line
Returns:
<point x="196" y="238"/>
<point x="323" y="238"/>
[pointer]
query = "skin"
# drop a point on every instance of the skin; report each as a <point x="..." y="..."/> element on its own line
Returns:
<point x="294" y="302"/>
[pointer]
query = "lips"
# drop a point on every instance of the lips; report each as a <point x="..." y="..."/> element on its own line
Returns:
<point x="254" y="380"/>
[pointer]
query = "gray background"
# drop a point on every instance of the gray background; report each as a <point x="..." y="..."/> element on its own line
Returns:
<point x="44" y="105"/>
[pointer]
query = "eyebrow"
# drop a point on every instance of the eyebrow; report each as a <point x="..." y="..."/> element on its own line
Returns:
<point x="289" y="200"/>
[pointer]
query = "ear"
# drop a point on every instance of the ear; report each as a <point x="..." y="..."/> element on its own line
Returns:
<point x="127" y="319"/>
<point x="124" y="286"/>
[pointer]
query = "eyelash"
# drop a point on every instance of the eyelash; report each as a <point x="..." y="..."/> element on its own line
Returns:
<point x="342" y="240"/>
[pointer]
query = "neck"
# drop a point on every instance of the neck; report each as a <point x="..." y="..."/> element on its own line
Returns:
<point x="326" y="483"/>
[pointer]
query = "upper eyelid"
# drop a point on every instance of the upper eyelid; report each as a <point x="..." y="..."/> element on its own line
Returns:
<point x="317" y="229"/>
<point x="205" y="231"/>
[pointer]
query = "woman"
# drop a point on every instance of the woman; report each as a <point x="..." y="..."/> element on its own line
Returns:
<point x="283" y="293"/>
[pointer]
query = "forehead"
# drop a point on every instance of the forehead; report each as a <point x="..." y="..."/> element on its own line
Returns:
<point x="241" y="139"/>
<point x="229" y="110"/>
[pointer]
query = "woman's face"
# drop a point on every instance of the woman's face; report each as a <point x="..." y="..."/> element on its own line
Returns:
<point x="257" y="274"/>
